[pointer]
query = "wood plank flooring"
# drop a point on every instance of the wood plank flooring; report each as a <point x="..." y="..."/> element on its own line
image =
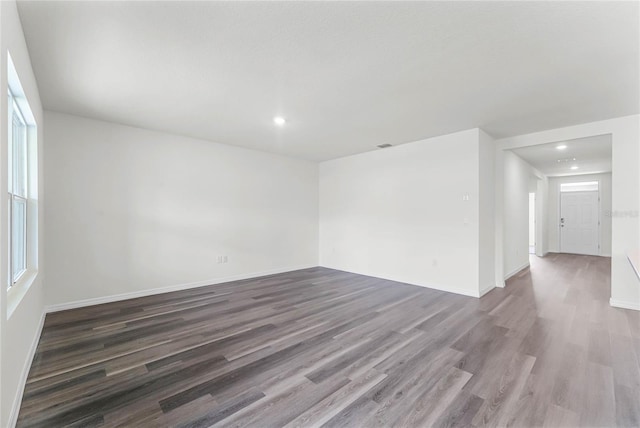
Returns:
<point x="319" y="347"/>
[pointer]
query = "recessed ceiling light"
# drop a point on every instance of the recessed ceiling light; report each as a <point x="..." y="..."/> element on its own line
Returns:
<point x="574" y="166"/>
<point x="279" y="120"/>
<point x="565" y="160"/>
<point x="561" y="146"/>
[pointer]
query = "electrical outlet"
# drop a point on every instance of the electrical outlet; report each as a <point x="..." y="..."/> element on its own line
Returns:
<point x="225" y="259"/>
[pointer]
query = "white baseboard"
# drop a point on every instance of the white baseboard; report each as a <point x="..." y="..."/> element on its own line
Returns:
<point x="143" y="293"/>
<point x="486" y="290"/>
<point x="516" y="270"/>
<point x="624" y="304"/>
<point x="446" y="288"/>
<point x="434" y="286"/>
<point x="17" y="400"/>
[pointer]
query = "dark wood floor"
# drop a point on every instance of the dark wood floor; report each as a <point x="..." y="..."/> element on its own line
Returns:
<point x="319" y="347"/>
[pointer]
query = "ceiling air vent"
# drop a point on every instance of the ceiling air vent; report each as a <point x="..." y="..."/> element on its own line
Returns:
<point x="383" y="146"/>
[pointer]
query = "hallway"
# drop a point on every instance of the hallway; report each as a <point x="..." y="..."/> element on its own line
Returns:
<point x="587" y="352"/>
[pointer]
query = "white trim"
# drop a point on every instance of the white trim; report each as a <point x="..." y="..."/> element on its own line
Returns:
<point x="517" y="270"/>
<point x="486" y="290"/>
<point x="17" y="400"/>
<point x="142" y="293"/>
<point x="438" y="287"/>
<point x="445" y="288"/>
<point x="624" y="304"/>
<point x="16" y="292"/>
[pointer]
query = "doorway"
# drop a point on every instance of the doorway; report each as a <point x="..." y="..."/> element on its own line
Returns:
<point x="568" y="167"/>
<point x="579" y="218"/>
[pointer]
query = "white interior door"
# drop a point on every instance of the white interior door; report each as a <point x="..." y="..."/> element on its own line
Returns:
<point x="579" y="223"/>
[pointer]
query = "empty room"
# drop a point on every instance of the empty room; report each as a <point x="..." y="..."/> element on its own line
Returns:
<point x="319" y="214"/>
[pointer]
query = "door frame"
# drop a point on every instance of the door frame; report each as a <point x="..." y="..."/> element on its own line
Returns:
<point x="599" y="215"/>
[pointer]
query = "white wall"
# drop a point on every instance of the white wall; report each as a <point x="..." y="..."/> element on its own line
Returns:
<point x="517" y="176"/>
<point x="22" y="308"/>
<point x="605" y="209"/>
<point x="486" y="183"/>
<point x="532" y="218"/>
<point x="131" y="210"/>
<point x="542" y="217"/>
<point x="400" y="213"/>
<point x="625" y="194"/>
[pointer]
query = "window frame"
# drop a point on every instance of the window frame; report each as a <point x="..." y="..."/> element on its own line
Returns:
<point x="14" y="112"/>
<point x="18" y="289"/>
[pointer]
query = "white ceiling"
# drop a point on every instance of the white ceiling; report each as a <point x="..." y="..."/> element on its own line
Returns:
<point x="347" y="75"/>
<point x="592" y="155"/>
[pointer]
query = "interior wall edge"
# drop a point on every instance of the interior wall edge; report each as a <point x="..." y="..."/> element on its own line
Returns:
<point x="623" y="304"/>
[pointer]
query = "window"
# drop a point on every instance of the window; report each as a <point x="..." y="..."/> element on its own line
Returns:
<point x="22" y="191"/>
<point x="585" y="186"/>
<point x="17" y="191"/>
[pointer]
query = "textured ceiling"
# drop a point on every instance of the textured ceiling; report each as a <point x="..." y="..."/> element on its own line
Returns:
<point x="347" y="75"/>
<point x="591" y="154"/>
